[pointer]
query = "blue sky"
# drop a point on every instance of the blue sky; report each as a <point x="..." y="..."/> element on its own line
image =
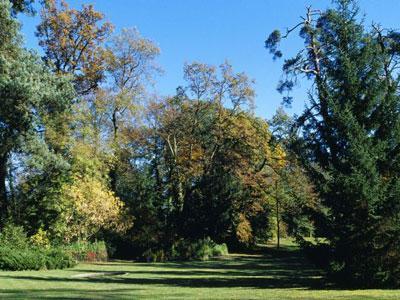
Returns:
<point x="212" y="31"/>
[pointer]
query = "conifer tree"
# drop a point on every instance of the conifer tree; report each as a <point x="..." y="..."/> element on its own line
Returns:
<point x="350" y="136"/>
<point x="31" y="96"/>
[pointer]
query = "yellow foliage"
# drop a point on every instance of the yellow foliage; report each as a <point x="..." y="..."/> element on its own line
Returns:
<point x="73" y="40"/>
<point x="40" y="239"/>
<point x="90" y="205"/>
<point x="93" y="207"/>
<point x="279" y="155"/>
<point x="243" y="230"/>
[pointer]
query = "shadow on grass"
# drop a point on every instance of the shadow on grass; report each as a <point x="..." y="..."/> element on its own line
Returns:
<point x="274" y="269"/>
<point x="69" y="294"/>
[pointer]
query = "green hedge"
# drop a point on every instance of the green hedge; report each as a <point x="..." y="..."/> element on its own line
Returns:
<point x="13" y="259"/>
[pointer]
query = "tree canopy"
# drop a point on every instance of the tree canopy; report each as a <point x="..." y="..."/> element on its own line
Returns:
<point x="88" y="150"/>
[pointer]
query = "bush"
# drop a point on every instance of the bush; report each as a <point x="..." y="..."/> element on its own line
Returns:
<point x="86" y="251"/>
<point x="57" y="258"/>
<point x="220" y="250"/>
<point x="13" y="259"/>
<point x="18" y="253"/>
<point x="13" y="236"/>
<point x="201" y="249"/>
<point x="154" y="256"/>
<point x="40" y="239"/>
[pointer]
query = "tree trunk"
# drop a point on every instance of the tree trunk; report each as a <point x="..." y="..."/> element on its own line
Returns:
<point x="278" y="234"/>
<point x="113" y="169"/>
<point x="115" y="125"/>
<point x="113" y="178"/>
<point x="3" y="189"/>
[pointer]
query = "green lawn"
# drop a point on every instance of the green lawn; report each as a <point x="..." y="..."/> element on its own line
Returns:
<point x="275" y="275"/>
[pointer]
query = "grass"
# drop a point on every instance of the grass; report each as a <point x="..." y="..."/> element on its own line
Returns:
<point x="274" y="274"/>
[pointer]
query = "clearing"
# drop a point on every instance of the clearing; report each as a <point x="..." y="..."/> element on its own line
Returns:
<point x="283" y="274"/>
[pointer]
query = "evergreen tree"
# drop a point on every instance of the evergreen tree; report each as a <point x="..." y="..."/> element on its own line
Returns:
<point x="350" y="138"/>
<point x="31" y="96"/>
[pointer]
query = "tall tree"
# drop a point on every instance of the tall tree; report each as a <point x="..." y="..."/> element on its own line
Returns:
<point x="350" y="137"/>
<point x="131" y="65"/>
<point x="30" y="94"/>
<point x="212" y="158"/>
<point x="297" y="201"/>
<point x="73" y="42"/>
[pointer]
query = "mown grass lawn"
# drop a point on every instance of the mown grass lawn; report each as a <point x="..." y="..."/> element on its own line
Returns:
<point x="274" y="275"/>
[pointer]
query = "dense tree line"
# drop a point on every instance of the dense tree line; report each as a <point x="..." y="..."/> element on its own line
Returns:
<point x="88" y="153"/>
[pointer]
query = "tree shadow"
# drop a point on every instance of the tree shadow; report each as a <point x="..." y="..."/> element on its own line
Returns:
<point x="69" y="294"/>
<point x="286" y="270"/>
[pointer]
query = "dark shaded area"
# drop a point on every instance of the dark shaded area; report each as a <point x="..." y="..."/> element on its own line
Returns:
<point x="258" y="269"/>
<point x="273" y="269"/>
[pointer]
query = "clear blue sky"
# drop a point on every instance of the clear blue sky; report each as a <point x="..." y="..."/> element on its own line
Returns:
<point x="211" y="31"/>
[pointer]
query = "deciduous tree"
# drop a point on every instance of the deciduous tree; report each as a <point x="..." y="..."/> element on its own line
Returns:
<point x="73" y="42"/>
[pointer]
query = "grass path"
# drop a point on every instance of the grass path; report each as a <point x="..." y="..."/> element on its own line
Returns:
<point x="274" y="275"/>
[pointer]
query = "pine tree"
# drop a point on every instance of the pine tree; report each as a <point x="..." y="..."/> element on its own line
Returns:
<point x="350" y="136"/>
<point x="32" y="98"/>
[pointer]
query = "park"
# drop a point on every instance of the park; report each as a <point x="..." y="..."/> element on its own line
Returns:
<point x="266" y="274"/>
<point x="199" y="150"/>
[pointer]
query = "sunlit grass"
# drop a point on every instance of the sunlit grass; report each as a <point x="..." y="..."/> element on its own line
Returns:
<point x="275" y="275"/>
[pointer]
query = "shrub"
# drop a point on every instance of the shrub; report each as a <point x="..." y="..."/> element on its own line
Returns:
<point x="13" y="236"/>
<point x="18" y="253"/>
<point x="201" y="249"/>
<point x="20" y="259"/>
<point x="154" y="256"/>
<point x="86" y="251"/>
<point x="58" y="258"/>
<point x="13" y="259"/>
<point x="220" y="250"/>
<point x="40" y="239"/>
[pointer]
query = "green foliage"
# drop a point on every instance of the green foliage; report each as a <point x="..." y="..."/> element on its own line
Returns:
<point x="87" y="251"/>
<point x="220" y="250"/>
<point x="12" y="236"/>
<point x="201" y="249"/>
<point x="34" y="99"/>
<point x="22" y="6"/>
<point x="90" y="164"/>
<point x="21" y="259"/>
<point x="154" y="256"/>
<point x="58" y="258"/>
<point x="18" y="252"/>
<point x="350" y="138"/>
<point x="15" y="259"/>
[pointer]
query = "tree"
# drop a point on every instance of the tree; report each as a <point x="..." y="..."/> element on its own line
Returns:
<point x="211" y="159"/>
<point x="24" y="6"/>
<point x="73" y="42"/>
<point x="350" y="136"/>
<point x="29" y="92"/>
<point x="131" y="66"/>
<point x="296" y="198"/>
<point x="89" y="204"/>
